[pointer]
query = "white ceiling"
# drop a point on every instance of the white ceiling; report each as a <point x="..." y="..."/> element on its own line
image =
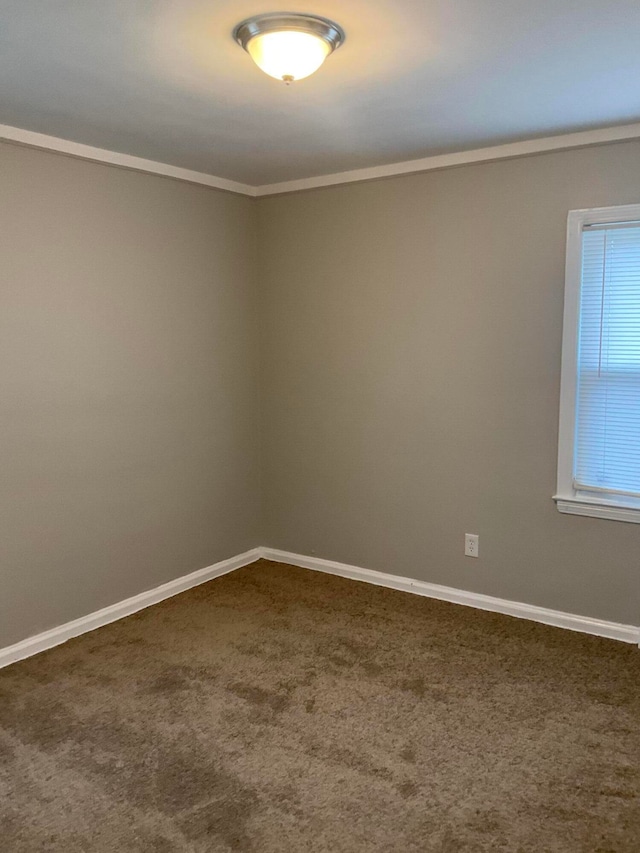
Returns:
<point x="163" y="79"/>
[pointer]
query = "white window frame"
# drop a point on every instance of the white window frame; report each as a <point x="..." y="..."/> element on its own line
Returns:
<point x="568" y="499"/>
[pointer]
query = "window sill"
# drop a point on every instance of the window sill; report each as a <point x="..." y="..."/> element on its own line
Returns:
<point x="597" y="509"/>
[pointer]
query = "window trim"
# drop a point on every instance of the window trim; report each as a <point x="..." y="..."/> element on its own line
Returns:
<point x="567" y="498"/>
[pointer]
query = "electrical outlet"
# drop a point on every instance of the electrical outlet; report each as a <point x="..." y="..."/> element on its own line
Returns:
<point x="471" y="544"/>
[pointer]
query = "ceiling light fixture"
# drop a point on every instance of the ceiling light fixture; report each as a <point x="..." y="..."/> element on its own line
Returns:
<point x="288" y="46"/>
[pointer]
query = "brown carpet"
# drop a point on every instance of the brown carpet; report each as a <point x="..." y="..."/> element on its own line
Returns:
<point x="277" y="709"/>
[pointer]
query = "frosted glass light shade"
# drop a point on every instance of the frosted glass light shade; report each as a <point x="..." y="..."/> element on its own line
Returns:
<point x="288" y="46"/>
<point x="288" y="55"/>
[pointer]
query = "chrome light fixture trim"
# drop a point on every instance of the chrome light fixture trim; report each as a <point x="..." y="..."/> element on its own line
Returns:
<point x="277" y="22"/>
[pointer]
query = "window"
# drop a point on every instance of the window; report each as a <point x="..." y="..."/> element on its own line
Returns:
<point x="599" y="441"/>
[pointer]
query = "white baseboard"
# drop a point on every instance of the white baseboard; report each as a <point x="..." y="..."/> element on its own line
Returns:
<point x="584" y="624"/>
<point x="56" y="636"/>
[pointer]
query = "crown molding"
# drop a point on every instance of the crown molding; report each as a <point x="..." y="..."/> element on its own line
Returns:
<point x="125" y="161"/>
<point x="508" y="151"/>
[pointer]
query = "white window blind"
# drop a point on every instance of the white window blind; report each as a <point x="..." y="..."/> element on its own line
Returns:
<point x="607" y="437"/>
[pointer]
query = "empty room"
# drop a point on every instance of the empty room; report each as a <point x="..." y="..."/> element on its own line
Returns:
<point x="319" y="426"/>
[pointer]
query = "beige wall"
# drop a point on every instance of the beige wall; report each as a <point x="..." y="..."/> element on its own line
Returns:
<point x="411" y="371"/>
<point x="128" y="432"/>
<point x="410" y="352"/>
